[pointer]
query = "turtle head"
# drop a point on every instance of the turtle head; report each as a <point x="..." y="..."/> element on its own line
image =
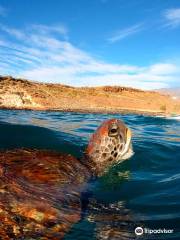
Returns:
<point x="110" y="144"/>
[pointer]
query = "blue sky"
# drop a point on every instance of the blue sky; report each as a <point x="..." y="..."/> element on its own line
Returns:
<point x="132" y="43"/>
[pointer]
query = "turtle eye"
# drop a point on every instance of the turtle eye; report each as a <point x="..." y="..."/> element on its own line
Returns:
<point x="113" y="130"/>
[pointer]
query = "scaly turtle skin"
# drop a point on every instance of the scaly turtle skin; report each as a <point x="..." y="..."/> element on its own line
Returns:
<point x="40" y="191"/>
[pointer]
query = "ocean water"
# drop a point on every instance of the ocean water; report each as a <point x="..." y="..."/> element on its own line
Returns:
<point x="144" y="189"/>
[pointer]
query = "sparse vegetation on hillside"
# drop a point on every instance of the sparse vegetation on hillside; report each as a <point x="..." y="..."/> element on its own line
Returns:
<point x="163" y="108"/>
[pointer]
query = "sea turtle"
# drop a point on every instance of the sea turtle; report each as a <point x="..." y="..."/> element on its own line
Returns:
<point x="40" y="190"/>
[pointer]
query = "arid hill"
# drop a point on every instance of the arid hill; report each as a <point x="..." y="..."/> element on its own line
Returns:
<point x="24" y="94"/>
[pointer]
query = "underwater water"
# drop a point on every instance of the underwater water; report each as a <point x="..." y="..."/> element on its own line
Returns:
<point x="147" y="186"/>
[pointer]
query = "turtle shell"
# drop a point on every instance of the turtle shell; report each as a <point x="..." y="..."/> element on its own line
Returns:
<point x="39" y="193"/>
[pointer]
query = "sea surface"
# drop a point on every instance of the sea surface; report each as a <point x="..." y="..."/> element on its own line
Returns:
<point x="147" y="186"/>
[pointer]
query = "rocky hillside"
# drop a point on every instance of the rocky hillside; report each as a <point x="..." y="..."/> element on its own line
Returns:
<point x="23" y="94"/>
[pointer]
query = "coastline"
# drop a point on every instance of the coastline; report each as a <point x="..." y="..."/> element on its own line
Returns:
<point x="93" y="110"/>
<point x="21" y="94"/>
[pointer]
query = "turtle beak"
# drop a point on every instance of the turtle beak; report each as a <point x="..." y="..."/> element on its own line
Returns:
<point x="128" y="141"/>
